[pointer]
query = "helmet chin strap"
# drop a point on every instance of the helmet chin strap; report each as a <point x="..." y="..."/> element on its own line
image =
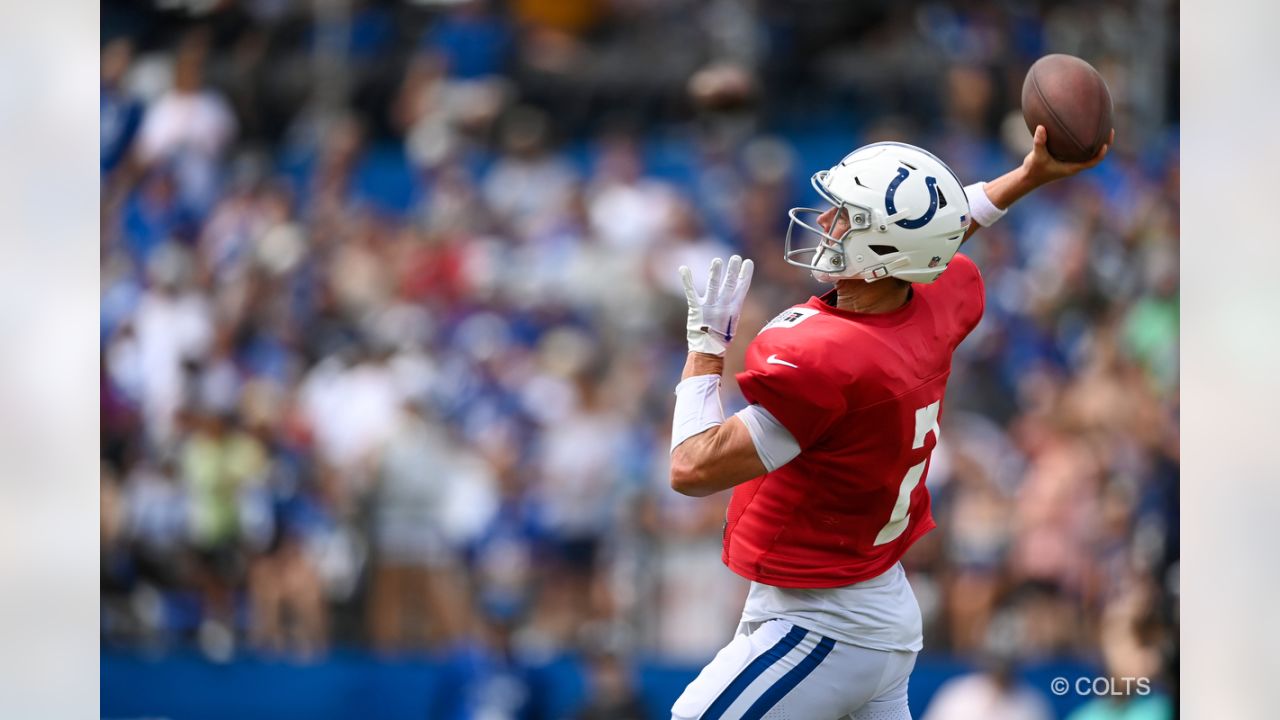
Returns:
<point x="826" y="276"/>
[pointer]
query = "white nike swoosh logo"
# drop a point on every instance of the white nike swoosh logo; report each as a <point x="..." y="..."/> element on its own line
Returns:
<point x="773" y="360"/>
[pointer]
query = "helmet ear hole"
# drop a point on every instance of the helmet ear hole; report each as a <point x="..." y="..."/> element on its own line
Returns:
<point x="882" y="249"/>
<point x="942" y="199"/>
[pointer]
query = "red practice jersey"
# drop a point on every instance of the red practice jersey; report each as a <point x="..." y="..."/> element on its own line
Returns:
<point x="861" y="394"/>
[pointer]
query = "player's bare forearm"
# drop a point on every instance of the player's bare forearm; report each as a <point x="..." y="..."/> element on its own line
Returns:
<point x="1038" y="168"/>
<point x="702" y="364"/>
<point x="715" y="459"/>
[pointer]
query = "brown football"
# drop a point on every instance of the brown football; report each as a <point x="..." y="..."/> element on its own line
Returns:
<point x="1070" y="99"/>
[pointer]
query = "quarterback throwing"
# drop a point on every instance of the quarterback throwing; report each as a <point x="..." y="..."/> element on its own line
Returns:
<point x="828" y="462"/>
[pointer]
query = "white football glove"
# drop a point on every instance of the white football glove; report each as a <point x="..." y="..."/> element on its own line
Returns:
<point x="713" y="317"/>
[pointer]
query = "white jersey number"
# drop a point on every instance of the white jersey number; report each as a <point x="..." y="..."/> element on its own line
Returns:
<point x="926" y="422"/>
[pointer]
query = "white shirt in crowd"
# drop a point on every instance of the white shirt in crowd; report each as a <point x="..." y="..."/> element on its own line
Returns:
<point x="979" y="697"/>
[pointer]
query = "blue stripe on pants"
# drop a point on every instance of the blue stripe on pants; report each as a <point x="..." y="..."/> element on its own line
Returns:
<point x="789" y="681"/>
<point x="753" y="671"/>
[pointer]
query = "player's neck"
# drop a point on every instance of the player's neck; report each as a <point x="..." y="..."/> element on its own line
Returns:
<point x="877" y="297"/>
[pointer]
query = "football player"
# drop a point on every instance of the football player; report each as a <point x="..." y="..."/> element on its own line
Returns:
<point x="828" y="462"/>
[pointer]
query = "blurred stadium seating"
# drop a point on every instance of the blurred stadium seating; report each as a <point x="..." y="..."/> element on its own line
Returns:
<point x="390" y="322"/>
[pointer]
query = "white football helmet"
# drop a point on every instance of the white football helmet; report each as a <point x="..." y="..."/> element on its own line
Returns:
<point x="907" y="213"/>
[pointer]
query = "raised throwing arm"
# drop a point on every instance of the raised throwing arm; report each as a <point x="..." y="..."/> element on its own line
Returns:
<point x="988" y="201"/>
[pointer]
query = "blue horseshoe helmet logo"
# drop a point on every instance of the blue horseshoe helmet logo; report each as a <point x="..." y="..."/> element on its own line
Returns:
<point x="924" y="219"/>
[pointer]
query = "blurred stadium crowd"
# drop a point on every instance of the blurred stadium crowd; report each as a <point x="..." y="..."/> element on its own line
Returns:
<point x="390" y="321"/>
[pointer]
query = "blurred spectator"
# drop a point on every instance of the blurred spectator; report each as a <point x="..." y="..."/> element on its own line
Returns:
<point x="173" y="329"/>
<point x="695" y="599"/>
<point x="996" y="693"/>
<point x="987" y="696"/>
<point x="528" y="187"/>
<point x="328" y="189"/>
<point x="351" y="407"/>
<point x="683" y="243"/>
<point x="612" y="694"/>
<point x="471" y="41"/>
<point x="121" y="113"/>
<point x="157" y="520"/>
<point x="1131" y="648"/>
<point x="154" y="216"/>
<point x="568" y="17"/>
<point x="579" y="480"/>
<point x="505" y="557"/>
<point x="454" y="87"/>
<point x="190" y="127"/>
<point x="289" y="612"/>
<point x="628" y="211"/>
<point x="219" y="464"/>
<point x="417" y="597"/>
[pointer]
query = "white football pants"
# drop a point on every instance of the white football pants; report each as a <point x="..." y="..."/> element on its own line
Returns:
<point x="779" y="671"/>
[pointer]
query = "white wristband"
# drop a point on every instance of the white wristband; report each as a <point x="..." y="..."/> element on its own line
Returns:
<point x="984" y="212"/>
<point x="697" y="407"/>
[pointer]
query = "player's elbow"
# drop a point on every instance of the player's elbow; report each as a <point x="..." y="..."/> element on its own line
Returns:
<point x="689" y="477"/>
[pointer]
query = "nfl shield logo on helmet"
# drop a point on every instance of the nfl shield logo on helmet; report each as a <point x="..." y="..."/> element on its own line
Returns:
<point x="934" y="262"/>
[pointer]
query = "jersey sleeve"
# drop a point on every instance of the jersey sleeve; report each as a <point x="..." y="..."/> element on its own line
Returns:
<point x="782" y="377"/>
<point x="774" y="443"/>
<point x="969" y="292"/>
